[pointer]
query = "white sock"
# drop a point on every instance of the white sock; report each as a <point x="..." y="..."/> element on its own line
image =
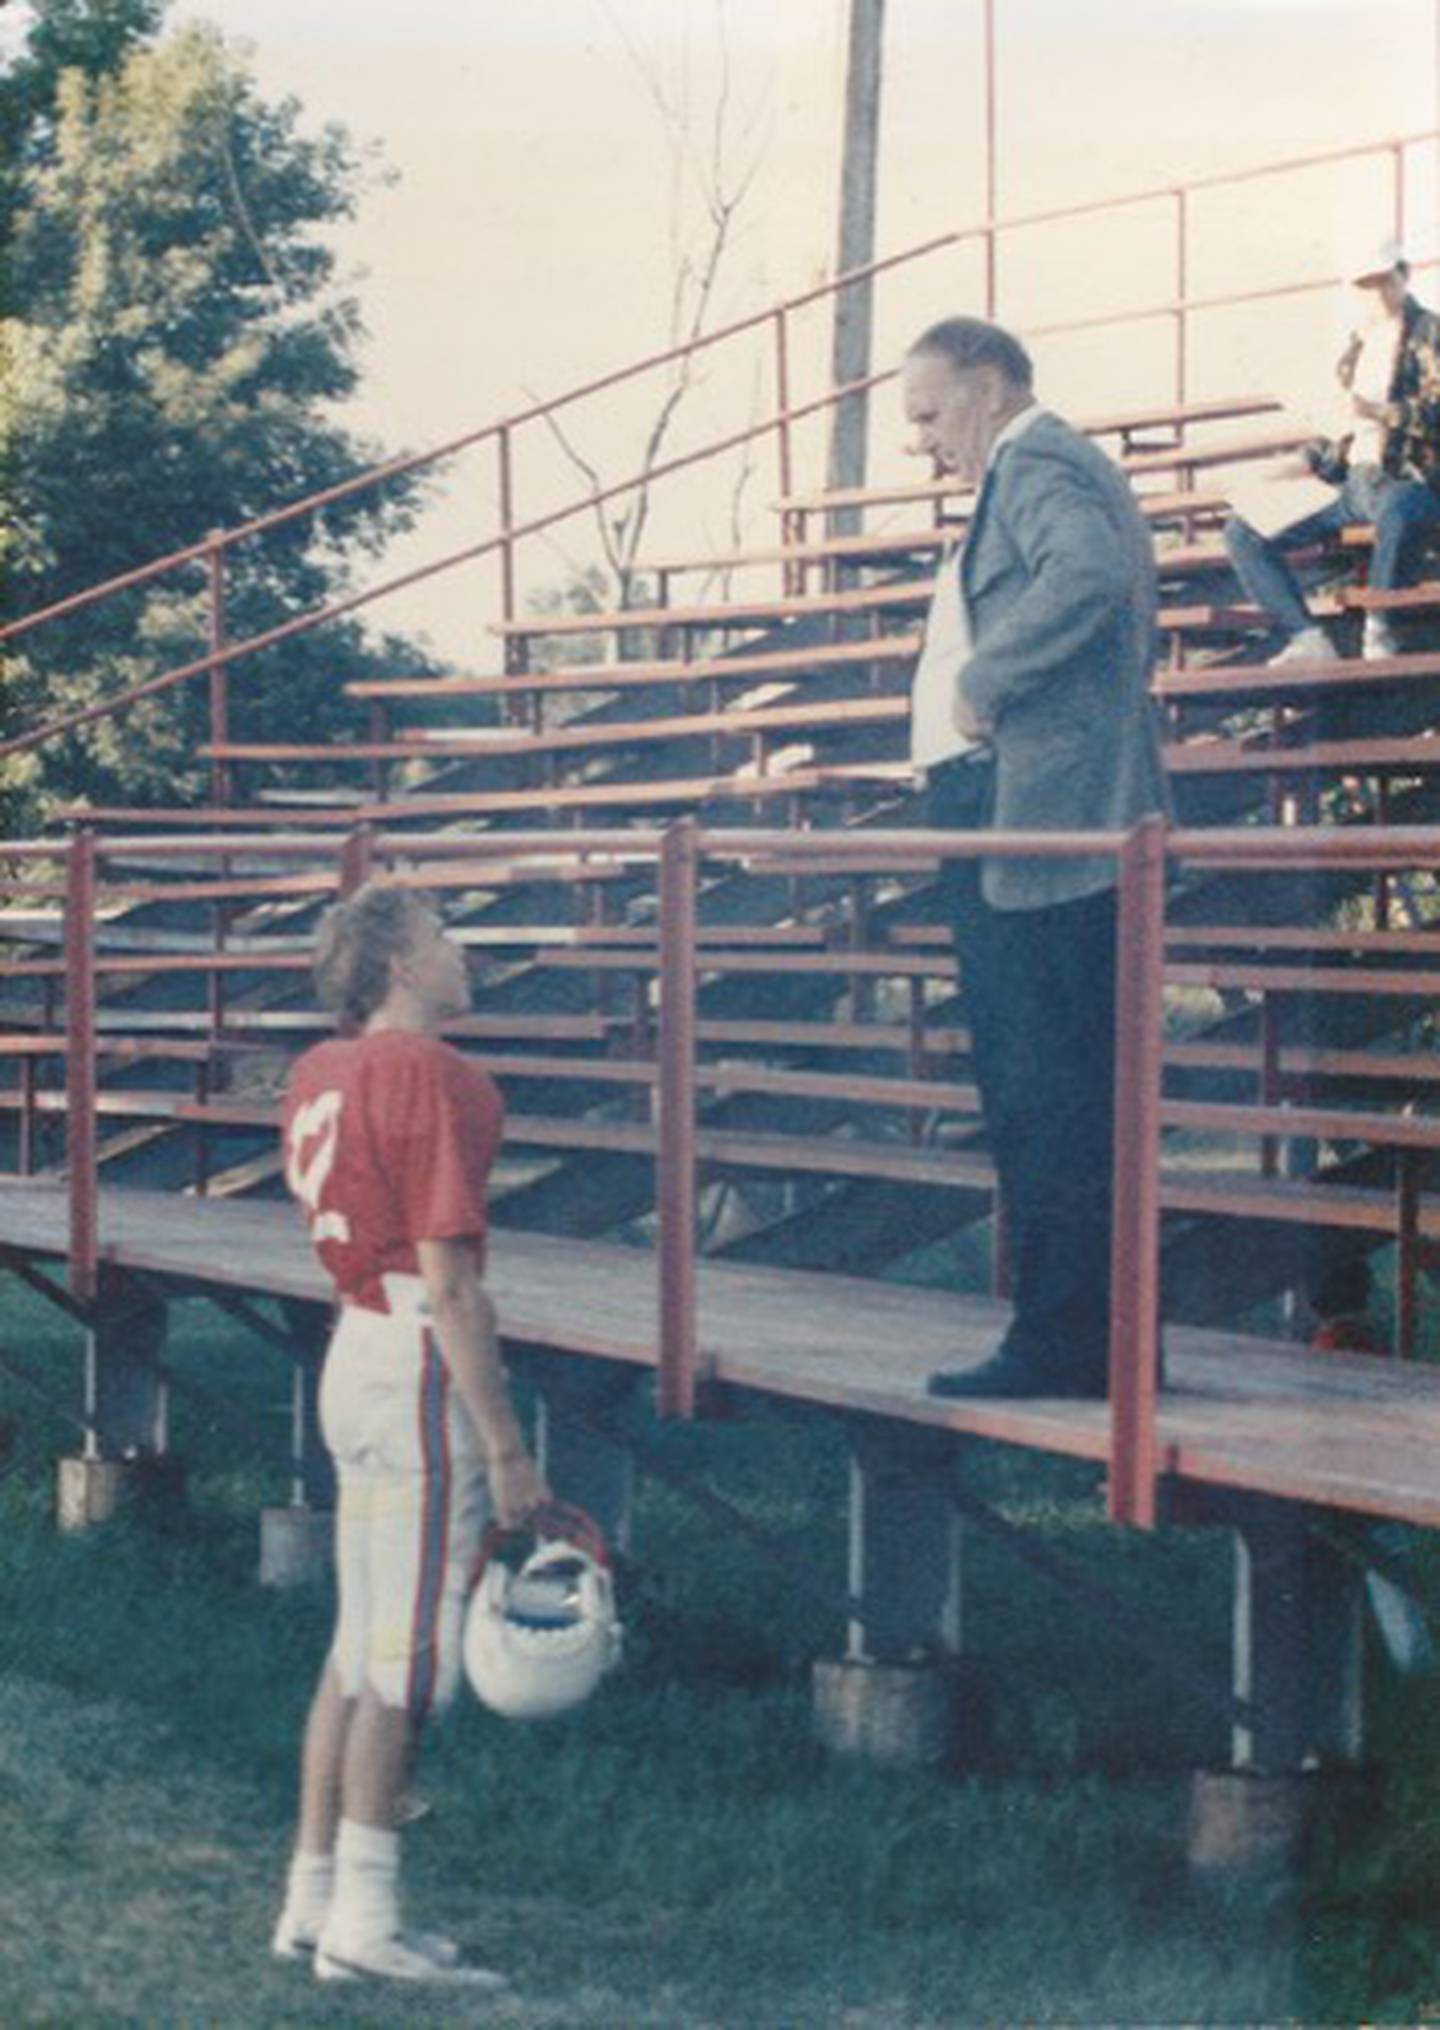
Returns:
<point x="365" y="1905"/>
<point x="309" y="1887"/>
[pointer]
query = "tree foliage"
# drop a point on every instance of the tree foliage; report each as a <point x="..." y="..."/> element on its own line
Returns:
<point x="177" y="341"/>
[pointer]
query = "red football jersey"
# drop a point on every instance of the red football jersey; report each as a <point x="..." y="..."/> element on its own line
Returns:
<point x="389" y="1140"/>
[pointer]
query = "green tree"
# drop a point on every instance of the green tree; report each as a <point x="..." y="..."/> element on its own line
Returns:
<point x="177" y="342"/>
<point x="90" y="36"/>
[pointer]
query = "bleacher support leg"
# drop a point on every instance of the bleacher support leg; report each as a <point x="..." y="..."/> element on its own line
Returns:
<point x="892" y="1696"/>
<point x="297" y="1541"/>
<point x="580" y="1462"/>
<point x="126" y="1412"/>
<point x="1298" y="1639"/>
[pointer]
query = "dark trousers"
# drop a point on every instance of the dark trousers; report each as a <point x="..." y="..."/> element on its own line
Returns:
<point x="1038" y="989"/>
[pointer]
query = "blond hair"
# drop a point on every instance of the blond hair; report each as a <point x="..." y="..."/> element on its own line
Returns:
<point x="355" y="943"/>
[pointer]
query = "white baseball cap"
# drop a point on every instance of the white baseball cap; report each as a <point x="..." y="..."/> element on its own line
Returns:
<point x="1379" y="259"/>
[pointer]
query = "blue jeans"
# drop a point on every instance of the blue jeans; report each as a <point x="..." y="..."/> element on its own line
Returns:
<point x="1405" y="513"/>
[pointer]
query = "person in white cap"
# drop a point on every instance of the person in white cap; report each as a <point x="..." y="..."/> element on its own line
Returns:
<point x="1385" y="468"/>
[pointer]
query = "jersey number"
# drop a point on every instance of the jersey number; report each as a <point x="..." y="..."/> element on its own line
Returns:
<point x="314" y="1131"/>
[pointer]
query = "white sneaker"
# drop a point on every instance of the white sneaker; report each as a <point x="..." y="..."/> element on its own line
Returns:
<point x="404" y="1956"/>
<point x="293" y="1938"/>
<point x="1377" y="639"/>
<point x="298" y="1938"/>
<point x="1311" y="645"/>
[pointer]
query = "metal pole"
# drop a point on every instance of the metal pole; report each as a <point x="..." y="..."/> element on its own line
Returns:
<point x="854" y="301"/>
<point x="1182" y="292"/>
<point x="1407" y="1250"/>
<point x="784" y="448"/>
<point x="675" y="1192"/>
<point x="991" y="176"/>
<point x="1397" y="165"/>
<point x="507" y="519"/>
<point x="1135" y="1238"/>
<point x="219" y="673"/>
<point x="80" y="1067"/>
<point x="357" y="860"/>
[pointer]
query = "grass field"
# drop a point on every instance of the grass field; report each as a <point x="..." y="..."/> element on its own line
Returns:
<point x="680" y="1853"/>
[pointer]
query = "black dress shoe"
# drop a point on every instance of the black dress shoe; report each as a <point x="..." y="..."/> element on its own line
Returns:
<point x="1006" y="1374"/>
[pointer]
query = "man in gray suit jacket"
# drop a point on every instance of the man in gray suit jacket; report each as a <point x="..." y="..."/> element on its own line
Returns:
<point x="1031" y="713"/>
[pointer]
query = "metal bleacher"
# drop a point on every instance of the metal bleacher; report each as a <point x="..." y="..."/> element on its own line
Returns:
<point x="692" y="874"/>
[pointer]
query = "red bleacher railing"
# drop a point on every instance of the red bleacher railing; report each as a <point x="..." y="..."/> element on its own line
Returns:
<point x="990" y="233"/>
<point x="1135" y="1234"/>
<point x="80" y="1068"/>
<point x="677" y="853"/>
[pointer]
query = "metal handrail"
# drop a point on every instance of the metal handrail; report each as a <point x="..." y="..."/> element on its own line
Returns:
<point x="215" y="547"/>
<point x="678" y="851"/>
<point x="1011" y="222"/>
<point x="220" y="658"/>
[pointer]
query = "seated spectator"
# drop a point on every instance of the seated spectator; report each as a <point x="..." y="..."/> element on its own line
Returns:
<point x="1385" y="468"/>
<point x="1341" y="1305"/>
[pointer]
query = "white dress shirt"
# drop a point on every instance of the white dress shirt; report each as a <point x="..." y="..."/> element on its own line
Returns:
<point x="948" y="644"/>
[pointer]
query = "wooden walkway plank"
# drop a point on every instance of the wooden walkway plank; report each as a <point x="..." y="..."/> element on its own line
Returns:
<point x="1345" y="1431"/>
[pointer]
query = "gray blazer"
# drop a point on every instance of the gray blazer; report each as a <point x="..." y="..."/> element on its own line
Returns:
<point x="1059" y="579"/>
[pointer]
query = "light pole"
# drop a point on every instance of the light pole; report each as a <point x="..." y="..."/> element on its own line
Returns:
<point x="854" y="304"/>
<point x="990" y="178"/>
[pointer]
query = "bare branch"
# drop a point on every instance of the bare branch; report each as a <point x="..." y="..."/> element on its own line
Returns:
<point x="242" y="210"/>
<point x="614" y="555"/>
<point x="702" y="159"/>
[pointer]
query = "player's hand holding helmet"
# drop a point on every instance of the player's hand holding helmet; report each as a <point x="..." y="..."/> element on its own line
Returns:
<point x="540" y="1635"/>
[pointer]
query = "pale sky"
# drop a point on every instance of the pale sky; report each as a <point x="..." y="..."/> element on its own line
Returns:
<point x="525" y="245"/>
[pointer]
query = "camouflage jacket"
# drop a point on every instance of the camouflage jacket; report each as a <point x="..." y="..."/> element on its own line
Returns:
<point x="1412" y="440"/>
<point x="1412" y="433"/>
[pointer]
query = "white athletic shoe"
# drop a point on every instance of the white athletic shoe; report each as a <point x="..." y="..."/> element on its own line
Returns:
<point x="405" y="1956"/>
<point x="1311" y="645"/>
<point x="1377" y="639"/>
<point x="293" y="1937"/>
<point x="297" y="1939"/>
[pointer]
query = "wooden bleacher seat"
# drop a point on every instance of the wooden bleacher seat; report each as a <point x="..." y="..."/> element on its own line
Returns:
<point x="1301" y="937"/>
<point x="1421" y="598"/>
<point x="479" y="743"/>
<point x="1186" y="459"/>
<point x="1239" y="977"/>
<point x="1243" y="1194"/>
<point x="1208" y="755"/>
<point x="1260" y="680"/>
<point x="908" y="594"/>
<point x="636" y="796"/>
<point x="718" y="616"/>
<point x="614" y="676"/>
<point x="1419" y="755"/>
<point x="882" y="544"/>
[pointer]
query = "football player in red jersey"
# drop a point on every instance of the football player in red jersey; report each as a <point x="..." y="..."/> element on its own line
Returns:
<point x="389" y="1136"/>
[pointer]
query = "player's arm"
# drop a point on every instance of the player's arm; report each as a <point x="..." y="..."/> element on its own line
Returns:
<point x="464" y="1321"/>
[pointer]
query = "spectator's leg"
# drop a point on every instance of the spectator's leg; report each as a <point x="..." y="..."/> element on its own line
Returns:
<point x="1038" y="989"/>
<point x="1406" y="516"/>
<point x="1265" y="576"/>
<point x="1261" y="566"/>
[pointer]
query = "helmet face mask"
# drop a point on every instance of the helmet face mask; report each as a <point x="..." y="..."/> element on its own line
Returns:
<point x="539" y="1638"/>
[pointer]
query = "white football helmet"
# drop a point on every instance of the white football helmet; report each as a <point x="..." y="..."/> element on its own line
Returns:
<point x="538" y="1639"/>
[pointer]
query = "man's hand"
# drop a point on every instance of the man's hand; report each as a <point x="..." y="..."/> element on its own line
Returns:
<point x="1373" y="412"/>
<point x="516" y="1488"/>
<point x="962" y="716"/>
